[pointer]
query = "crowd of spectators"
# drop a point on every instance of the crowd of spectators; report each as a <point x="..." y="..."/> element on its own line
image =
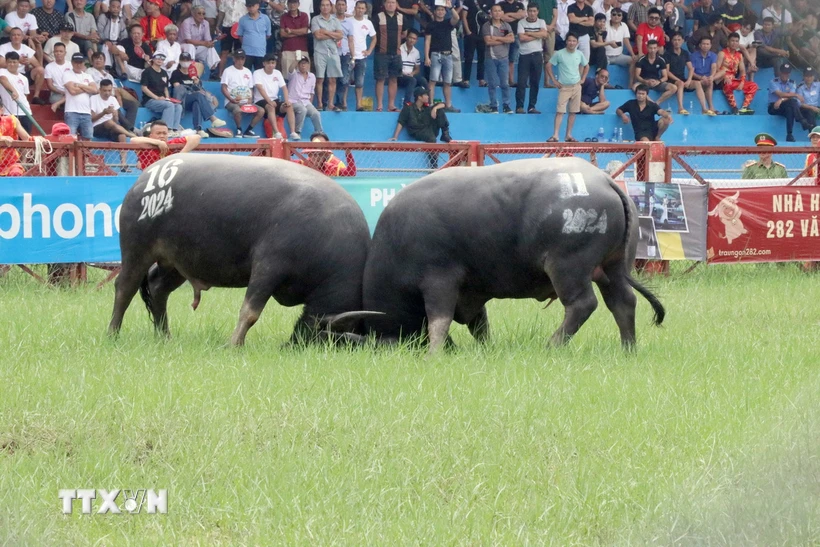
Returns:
<point x="294" y="59"/>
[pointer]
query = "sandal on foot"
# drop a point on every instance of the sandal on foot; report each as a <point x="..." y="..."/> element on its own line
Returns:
<point x="571" y="139"/>
<point x="552" y="139"/>
<point x="683" y="112"/>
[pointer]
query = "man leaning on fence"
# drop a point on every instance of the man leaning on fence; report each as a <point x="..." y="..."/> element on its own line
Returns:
<point x="158" y="140"/>
<point x="10" y="131"/>
<point x="764" y="168"/>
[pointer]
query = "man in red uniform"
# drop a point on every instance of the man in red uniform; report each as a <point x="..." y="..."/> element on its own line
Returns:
<point x="323" y="160"/>
<point x="10" y="131"/>
<point x="154" y="22"/>
<point x="732" y="70"/>
<point x="158" y="139"/>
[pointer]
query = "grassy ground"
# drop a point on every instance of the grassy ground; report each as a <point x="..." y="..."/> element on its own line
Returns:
<point x="708" y="435"/>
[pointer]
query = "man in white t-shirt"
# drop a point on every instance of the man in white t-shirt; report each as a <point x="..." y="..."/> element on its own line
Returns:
<point x="105" y="112"/>
<point x="618" y="32"/>
<point x="79" y="87"/>
<point x="237" y="87"/>
<point x="65" y="38"/>
<point x="56" y="72"/>
<point x="25" y="21"/>
<point x="268" y="82"/>
<point x="411" y="76"/>
<point x="14" y="88"/>
<point x="29" y="64"/>
<point x="129" y="103"/>
<point x="362" y="30"/>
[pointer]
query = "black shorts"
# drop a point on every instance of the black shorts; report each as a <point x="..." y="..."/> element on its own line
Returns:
<point x="279" y="112"/>
<point x="105" y="133"/>
<point x="651" y="135"/>
<point x="228" y="43"/>
<point x="387" y="66"/>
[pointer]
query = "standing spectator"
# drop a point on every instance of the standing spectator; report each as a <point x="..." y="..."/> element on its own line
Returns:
<point x="294" y="31"/>
<point x="562" y="23"/>
<point x="85" y="28"/>
<point x="362" y="30"/>
<point x="29" y="65"/>
<point x="327" y="31"/>
<point x="387" y="65"/>
<point x="423" y="122"/>
<point x="345" y="51"/>
<point x="599" y="41"/>
<point x="514" y="11"/>
<point x="64" y="37"/>
<point x="230" y="12"/>
<point x="498" y="36"/>
<point x="411" y="77"/>
<point x="14" y="88"/>
<point x="771" y="50"/>
<point x="674" y="18"/>
<point x="186" y="88"/>
<point x="784" y="100"/>
<point x="158" y="138"/>
<point x="702" y="14"/>
<point x="581" y="21"/>
<point x="154" y="22"/>
<point x="765" y="168"/>
<point x="811" y="159"/>
<point x="301" y="84"/>
<point x="641" y="112"/>
<point x="474" y="14"/>
<point x="593" y="94"/>
<point x="714" y="31"/>
<point x="49" y="20"/>
<point x="111" y="29"/>
<point x="810" y="91"/>
<point x="155" y="96"/>
<point x="438" y="53"/>
<point x="704" y="64"/>
<point x="732" y="71"/>
<point x="133" y="54"/>
<point x="79" y="87"/>
<point x="55" y="73"/>
<point x="254" y="31"/>
<point x="275" y="10"/>
<point x="638" y="14"/>
<point x="195" y="31"/>
<point x="10" y="130"/>
<point x="548" y="11"/>
<point x="409" y="9"/>
<point x="680" y="65"/>
<point x="105" y="112"/>
<point x="651" y="30"/>
<point x="129" y="103"/>
<point x="572" y="70"/>
<point x="531" y="33"/>
<point x="237" y="88"/>
<point x="651" y="70"/>
<point x="267" y="83"/>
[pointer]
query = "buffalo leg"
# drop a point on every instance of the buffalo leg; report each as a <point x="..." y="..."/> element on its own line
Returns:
<point x="163" y="281"/>
<point x="621" y="301"/>
<point x="125" y="287"/>
<point x="258" y="293"/>
<point x="440" y="299"/>
<point x="479" y="326"/>
<point x="579" y="302"/>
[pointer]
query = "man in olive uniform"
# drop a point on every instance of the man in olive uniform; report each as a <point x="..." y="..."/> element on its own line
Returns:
<point x="422" y="121"/>
<point x="765" y="168"/>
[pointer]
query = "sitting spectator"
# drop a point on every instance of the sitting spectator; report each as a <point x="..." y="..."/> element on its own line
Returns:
<point x="327" y="31"/>
<point x="732" y="71"/>
<point x="85" y="28"/>
<point x="237" y="87"/>
<point x="704" y="63"/>
<point x="784" y="100"/>
<point x="154" y="23"/>
<point x="674" y="18"/>
<point x="79" y="87"/>
<point x="680" y="65"/>
<point x="781" y="18"/>
<point x="438" y="52"/>
<point x="301" y="84"/>
<point x="572" y="70"/>
<point x="593" y="94"/>
<point x="55" y="73"/>
<point x="770" y="50"/>
<point x="702" y="15"/>
<point x="715" y="32"/>
<point x="411" y="76"/>
<point x="14" y="88"/>
<point x="22" y="19"/>
<point x="809" y="90"/>
<point x="194" y="31"/>
<point x="267" y="83"/>
<point x="132" y="54"/>
<point x="649" y="31"/>
<point x="641" y="112"/>
<point x="158" y="138"/>
<point x="64" y="37"/>
<point x="733" y="13"/>
<point x="212" y="12"/>
<point x="132" y="11"/>
<point x="532" y="31"/>
<point x="765" y="168"/>
<point x="599" y="41"/>
<point x="498" y="36"/>
<point x="128" y="101"/>
<point x="748" y="47"/>
<point x="186" y="88"/>
<point x="10" y="130"/>
<point x="362" y="30"/>
<point x="803" y="42"/>
<point x="254" y="30"/>
<point x="618" y="32"/>
<point x="112" y="30"/>
<point x="652" y="71"/>
<point x="172" y="49"/>
<point x="423" y="122"/>
<point x="155" y="96"/>
<point x="324" y="161"/>
<point x="49" y="20"/>
<point x="105" y="114"/>
<point x="29" y="65"/>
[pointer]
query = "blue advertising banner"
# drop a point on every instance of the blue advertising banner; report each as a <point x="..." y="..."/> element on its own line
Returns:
<point x="45" y="220"/>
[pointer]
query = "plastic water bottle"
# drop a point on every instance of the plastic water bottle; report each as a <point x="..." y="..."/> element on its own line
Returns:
<point x="600" y="134"/>
<point x="685" y="134"/>
<point x="691" y="106"/>
<point x="615" y="134"/>
<point x="620" y="134"/>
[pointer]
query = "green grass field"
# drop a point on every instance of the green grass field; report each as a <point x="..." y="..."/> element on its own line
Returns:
<point x="706" y="436"/>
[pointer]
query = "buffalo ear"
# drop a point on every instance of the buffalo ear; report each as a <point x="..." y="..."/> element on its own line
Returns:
<point x="344" y="322"/>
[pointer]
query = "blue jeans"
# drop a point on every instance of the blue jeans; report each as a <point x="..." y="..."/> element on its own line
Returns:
<point x="441" y="68"/>
<point x="358" y="73"/>
<point x="79" y="124"/>
<point x="344" y="82"/>
<point x="410" y="83"/>
<point x="170" y="112"/>
<point x="498" y="74"/>
<point x="196" y="103"/>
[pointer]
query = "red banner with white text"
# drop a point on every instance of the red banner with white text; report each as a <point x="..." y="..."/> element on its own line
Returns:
<point x="767" y="224"/>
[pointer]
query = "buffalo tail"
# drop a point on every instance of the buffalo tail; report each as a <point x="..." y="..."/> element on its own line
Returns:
<point x="660" y="312"/>
<point x="145" y="293"/>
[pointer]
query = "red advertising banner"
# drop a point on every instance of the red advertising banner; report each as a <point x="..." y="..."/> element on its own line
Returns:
<point x="766" y="224"/>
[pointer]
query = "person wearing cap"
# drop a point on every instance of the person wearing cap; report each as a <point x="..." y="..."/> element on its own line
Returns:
<point x="267" y="83"/>
<point x="295" y="26"/>
<point x="158" y="142"/>
<point x="764" y="168"/>
<point x="785" y="101"/>
<point x="422" y="121"/>
<point x="300" y="89"/>
<point x="155" y="95"/>
<point x="14" y="88"/>
<point x="185" y="86"/>
<point x="79" y="87"/>
<point x="323" y="160"/>
<point x="809" y="90"/>
<point x="254" y="31"/>
<point x="237" y="87"/>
